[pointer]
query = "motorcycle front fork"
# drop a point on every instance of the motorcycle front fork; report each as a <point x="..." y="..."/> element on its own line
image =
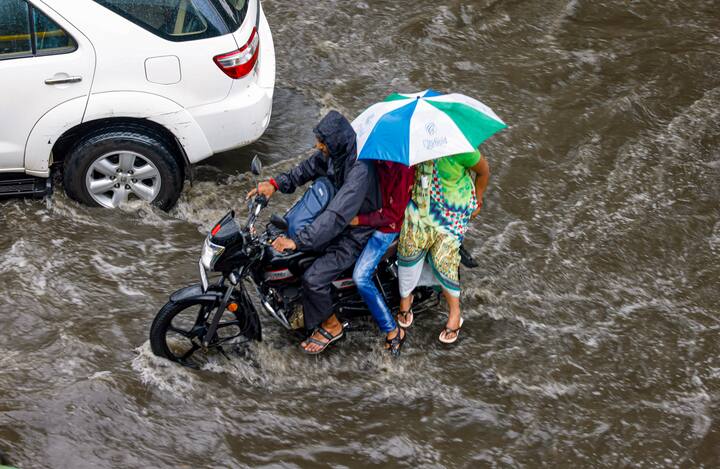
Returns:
<point x="234" y="280"/>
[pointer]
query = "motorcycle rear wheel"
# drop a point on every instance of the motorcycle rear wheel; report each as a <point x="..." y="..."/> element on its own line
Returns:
<point x="180" y="327"/>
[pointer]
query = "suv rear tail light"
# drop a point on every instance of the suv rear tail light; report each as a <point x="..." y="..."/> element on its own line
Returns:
<point x="239" y="63"/>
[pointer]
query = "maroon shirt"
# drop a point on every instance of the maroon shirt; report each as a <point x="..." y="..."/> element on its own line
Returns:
<point x="396" y="181"/>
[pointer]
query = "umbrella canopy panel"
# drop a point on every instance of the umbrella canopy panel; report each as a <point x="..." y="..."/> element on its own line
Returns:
<point x="417" y="127"/>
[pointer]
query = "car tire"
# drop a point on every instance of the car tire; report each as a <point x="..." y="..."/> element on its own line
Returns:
<point x="99" y="169"/>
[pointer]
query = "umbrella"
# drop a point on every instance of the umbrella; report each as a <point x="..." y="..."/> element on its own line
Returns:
<point x="417" y="127"/>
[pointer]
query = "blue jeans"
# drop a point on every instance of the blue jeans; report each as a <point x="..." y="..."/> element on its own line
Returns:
<point x="363" y="278"/>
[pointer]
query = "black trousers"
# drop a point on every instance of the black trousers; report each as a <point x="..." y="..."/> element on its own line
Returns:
<point x="338" y="257"/>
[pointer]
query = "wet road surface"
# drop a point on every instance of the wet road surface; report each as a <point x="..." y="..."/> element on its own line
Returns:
<point x="592" y="334"/>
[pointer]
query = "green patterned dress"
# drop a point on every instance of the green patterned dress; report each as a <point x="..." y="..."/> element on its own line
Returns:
<point x="435" y="223"/>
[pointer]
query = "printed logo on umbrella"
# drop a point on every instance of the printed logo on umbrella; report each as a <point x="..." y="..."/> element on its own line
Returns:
<point x="434" y="141"/>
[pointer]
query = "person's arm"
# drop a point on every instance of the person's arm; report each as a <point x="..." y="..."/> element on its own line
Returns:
<point x="392" y="210"/>
<point x="482" y="176"/>
<point x="337" y="216"/>
<point x="309" y="169"/>
<point x="378" y="218"/>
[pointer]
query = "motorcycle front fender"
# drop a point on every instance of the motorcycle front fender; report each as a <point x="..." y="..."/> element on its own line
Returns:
<point x="195" y="292"/>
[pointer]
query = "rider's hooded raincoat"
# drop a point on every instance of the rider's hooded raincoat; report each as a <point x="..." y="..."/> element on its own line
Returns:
<point x="357" y="192"/>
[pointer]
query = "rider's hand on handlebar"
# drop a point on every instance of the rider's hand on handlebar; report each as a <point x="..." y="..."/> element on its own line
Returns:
<point x="282" y="243"/>
<point x="264" y="188"/>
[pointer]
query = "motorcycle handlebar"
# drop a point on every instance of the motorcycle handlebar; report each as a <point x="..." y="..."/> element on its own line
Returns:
<point x="257" y="204"/>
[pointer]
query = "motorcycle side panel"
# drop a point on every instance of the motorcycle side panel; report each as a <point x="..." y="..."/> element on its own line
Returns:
<point x="343" y="283"/>
<point x="279" y="275"/>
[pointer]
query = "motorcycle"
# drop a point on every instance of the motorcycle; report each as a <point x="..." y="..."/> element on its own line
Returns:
<point x="212" y="314"/>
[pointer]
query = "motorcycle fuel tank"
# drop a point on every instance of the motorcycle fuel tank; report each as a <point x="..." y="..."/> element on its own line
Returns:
<point x="287" y="265"/>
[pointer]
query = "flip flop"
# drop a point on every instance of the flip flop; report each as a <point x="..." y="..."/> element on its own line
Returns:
<point x="331" y="338"/>
<point x="447" y="331"/>
<point x="405" y="314"/>
<point x="396" y="343"/>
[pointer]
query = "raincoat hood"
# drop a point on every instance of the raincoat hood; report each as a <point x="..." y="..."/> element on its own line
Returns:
<point x="356" y="185"/>
<point x="336" y="132"/>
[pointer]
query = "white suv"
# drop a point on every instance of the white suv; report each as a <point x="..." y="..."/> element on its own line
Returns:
<point x="126" y="94"/>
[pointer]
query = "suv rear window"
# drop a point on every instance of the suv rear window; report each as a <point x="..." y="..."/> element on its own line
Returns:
<point x="182" y="20"/>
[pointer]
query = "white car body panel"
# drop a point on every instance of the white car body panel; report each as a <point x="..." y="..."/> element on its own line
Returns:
<point x="123" y="47"/>
<point x="175" y="84"/>
<point x="157" y="109"/>
<point x="45" y="133"/>
<point x="120" y="103"/>
<point x="26" y="98"/>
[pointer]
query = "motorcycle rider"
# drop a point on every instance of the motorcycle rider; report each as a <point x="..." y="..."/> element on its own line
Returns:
<point x="357" y="192"/>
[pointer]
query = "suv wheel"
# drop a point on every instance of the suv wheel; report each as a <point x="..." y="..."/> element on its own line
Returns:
<point x="113" y="166"/>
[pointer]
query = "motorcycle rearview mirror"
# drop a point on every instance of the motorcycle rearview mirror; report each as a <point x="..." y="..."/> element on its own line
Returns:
<point x="256" y="170"/>
<point x="256" y="166"/>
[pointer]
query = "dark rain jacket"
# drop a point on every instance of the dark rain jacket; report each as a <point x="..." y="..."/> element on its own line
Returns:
<point x="355" y="182"/>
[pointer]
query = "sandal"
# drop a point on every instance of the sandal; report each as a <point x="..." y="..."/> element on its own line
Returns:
<point x="405" y="318"/>
<point x="331" y="338"/>
<point x="447" y="331"/>
<point x="396" y="343"/>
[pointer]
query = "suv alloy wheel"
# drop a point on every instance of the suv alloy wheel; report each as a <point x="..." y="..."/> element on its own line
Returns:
<point x="112" y="166"/>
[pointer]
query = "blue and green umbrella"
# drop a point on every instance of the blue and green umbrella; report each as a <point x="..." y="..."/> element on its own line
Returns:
<point x="417" y="127"/>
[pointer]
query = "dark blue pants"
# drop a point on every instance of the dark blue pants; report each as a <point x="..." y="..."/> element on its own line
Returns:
<point x="339" y="256"/>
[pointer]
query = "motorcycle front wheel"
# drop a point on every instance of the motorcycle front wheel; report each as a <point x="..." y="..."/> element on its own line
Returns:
<point x="180" y="327"/>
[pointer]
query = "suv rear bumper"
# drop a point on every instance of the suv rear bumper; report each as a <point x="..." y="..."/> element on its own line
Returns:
<point x="243" y="116"/>
<point x="236" y="121"/>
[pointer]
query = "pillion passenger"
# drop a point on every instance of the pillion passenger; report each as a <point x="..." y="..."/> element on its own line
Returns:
<point x="396" y="182"/>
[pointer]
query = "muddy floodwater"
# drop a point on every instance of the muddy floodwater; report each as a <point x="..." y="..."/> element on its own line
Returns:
<point x="592" y="326"/>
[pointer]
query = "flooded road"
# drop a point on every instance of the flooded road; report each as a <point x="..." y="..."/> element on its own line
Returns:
<point x="592" y="333"/>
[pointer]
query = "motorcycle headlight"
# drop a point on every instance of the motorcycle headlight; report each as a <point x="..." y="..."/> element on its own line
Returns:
<point x="210" y="254"/>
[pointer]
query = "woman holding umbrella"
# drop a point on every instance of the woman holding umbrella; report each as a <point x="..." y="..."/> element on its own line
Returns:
<point x="444" y="200"/>
<point x="422" y="129"/>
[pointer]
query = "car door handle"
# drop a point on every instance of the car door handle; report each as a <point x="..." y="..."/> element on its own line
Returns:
<point x="62" y="81"/>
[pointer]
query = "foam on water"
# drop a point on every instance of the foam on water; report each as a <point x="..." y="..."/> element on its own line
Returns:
<point x="591" y="325"/>
<point x="163" y="374"/>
